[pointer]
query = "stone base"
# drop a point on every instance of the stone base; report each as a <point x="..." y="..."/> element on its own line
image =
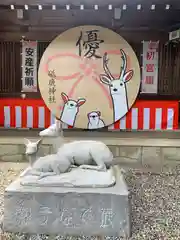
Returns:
<point x="68" y="211"/>
<point x="77" y="177"/>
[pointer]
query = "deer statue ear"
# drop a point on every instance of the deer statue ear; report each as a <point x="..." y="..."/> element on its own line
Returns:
<point x="99" y="113"/>
<point x="64" y="97"/>
<point x="26" y="141"/>
<point x="81" y="101"/>
<point x="128" y="76"/>
<point x="105" y="79"/>
<point x="39" y="142"/>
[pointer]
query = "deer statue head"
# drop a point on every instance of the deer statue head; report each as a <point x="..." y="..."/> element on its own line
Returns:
<point x="32" y="147"/>
<point x="116" y="85"/>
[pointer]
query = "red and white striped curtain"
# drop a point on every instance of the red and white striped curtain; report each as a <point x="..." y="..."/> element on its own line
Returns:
<point x="144" y="115"/>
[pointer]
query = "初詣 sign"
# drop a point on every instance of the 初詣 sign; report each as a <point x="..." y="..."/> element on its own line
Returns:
<point x="150" y="67"/>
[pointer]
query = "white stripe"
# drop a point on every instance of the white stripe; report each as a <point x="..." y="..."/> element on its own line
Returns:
<point x="158" y="119"/>
<point x="52" y="121"/>
<point x="64" y="126"/>
<point x="7" y="116"/>
<point x="123" y="123"/>
<point x="134" y="118"/>
<point x="18" y="114"/>
<point x="170" y="118"/>
<point x="29" y="117"/>
<point x="146" y="118"/>
<point x="41" y="117"/>
<point x="111" y="127"/>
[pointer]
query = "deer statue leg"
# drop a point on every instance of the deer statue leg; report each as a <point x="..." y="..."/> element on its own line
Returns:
<point x="98" y="160"/>
<point x="43" y="174"/>
<point x="46" y="174"/>
<point x="55" y="171"/>
<point x="40" y="174"/>
<point x="35" y="172"/>
<point x="97" y="168"/>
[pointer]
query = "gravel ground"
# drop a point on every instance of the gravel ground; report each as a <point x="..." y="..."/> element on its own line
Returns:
<point x="155" y="202"/>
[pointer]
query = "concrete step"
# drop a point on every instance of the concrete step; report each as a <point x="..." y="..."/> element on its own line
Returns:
<point x="110" y="141"/>
<point x="101" y="133"/>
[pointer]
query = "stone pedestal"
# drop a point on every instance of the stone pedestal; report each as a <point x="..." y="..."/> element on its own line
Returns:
<point x="68" y="211"/>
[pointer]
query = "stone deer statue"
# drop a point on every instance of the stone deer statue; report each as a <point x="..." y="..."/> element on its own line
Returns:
<point x="92" y="155"/>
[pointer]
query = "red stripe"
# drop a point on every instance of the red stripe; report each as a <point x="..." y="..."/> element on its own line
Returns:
<point x="2" y="115"/>
<point x="129" y="120"/>
<point x="176" y="115"/>
<point x="24" y="116"/>
<point x="70" y="126"/>
<point x="35" y="117"/>
<point x="164" y="118"/>
<point x="12" y="116"/>
<point x="152" y="118"/>
<point x="140" y="104"/>
<point x="175" y="118"/>
<point x="47" y="119"/>
<point x="117" y="125"/>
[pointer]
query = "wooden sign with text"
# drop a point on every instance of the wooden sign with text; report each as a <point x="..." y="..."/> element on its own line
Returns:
<point x="89" y="77"/>
<point x="29" y="66"/>
<point x="150" y="67"/>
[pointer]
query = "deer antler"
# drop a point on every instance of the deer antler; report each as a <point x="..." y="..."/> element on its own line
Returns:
<point x="106" y="69"/>
<point x="124" y="64"/>
<point x="51" y="74"/>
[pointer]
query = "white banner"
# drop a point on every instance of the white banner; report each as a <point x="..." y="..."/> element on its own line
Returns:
<point x="29" y="66"/>
<point x="150" y="67"/>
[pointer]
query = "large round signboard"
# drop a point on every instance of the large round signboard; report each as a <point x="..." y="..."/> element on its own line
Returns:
<point x="89" y="77"/>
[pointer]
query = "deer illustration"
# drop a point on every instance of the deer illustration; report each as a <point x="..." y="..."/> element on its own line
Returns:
<point x="70" y="109"/>
<point x="117" y="86"/>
